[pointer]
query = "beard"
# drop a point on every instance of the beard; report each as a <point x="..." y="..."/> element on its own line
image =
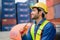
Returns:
<point x="35" y="17"/>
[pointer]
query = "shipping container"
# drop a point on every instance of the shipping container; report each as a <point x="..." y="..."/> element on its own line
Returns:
<point x="22" y="5"/>
<point x="24" y="21"/>
<point x="8" y="9"/>
<point x="0" y="24"/>
<point x="50" y="3"/>
<point x="8" y="22"/>
<point x="23" y="15"/>
<point x="0" y="12"/>
<point x="53" y="9"/>
<point x="10" y="15"/>
<point x="8" y="0"/>
<point x="23" y="9"/>
<point x="8" y="4"/>
<point x="51" y="13"/>
<point x="56" y="2"/>
<point x="22" y="18"/>
<point x="57" y="11"/>
<point x="7" y="27"/>
<point x="23" y="12"/>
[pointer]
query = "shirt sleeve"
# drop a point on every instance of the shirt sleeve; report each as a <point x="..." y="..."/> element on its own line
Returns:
<point x="49" y="32"/>
<point x="27" y="36"/>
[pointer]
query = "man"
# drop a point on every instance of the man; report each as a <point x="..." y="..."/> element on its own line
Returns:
<point x="42" y="29"/>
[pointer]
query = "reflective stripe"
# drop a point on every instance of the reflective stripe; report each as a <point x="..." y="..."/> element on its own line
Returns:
<point x="38" y="35"/>
<point x="39" y="31"/>
<point x="32" y="31"/>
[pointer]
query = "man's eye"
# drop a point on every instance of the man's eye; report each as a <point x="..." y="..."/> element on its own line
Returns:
<point x="33" y="10"/>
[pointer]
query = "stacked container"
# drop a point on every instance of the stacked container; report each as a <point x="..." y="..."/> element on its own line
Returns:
<point x="8" y="9"/>
<point x="53" y="9"/>
<point x="50" y="4"/>
<point x="8" y="14"/>
<point x="0" y="19"/>
<point x="23" y="12"/>
<point x="54" y="14"/>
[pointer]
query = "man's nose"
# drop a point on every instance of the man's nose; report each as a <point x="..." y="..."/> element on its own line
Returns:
<point x="31" y="12"/>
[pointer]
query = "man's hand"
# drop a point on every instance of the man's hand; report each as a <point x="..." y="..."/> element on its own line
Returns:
<point x="19" y="30"/>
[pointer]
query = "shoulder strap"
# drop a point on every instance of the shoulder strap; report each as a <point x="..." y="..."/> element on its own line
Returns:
<point x="38" y="35"/>
<point x="32" y="31"/>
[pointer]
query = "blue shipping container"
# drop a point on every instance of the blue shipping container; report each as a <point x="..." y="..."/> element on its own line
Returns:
<point x="24" y="21"/>
<point x="8" y="4"/>
<point x="22" y="5"/>
<point x="7" y="27"/>
<point x="8" y="10"/>
<point x="23" y="15"/>
<point x="8" y="0"/>
<point x="9" y="15"/>
<point x="23" y="10"/>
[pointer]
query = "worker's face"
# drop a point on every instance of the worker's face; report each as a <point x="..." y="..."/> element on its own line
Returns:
<point x="34" y="14"/>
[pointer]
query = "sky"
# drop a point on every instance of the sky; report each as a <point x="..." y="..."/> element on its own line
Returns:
<point x="44" y="1"/>
<point x="26" y="0"/>
<point x="0" y="3"/>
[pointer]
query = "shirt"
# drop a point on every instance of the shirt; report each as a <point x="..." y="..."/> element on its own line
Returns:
<point x="48" y="32"/>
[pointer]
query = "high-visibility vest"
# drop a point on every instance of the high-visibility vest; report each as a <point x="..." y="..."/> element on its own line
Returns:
<point x="39" y="31"/>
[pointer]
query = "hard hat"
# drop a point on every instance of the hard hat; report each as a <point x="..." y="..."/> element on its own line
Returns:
<point x="41" y="5"/>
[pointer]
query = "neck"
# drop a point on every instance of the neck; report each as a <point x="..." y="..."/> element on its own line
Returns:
<point x="38" y="20"/>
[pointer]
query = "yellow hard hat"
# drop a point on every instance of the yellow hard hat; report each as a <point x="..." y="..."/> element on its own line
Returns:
<point x="41" y="5"/>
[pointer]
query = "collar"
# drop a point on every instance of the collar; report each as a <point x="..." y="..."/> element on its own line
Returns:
<point x="40" y="21"/>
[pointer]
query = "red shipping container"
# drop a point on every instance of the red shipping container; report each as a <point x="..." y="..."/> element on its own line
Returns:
<point x="56" y="1"/>
<point x="50" y="14"/>
<point x="50" y="3"/>
<point x="8" y="21"/>
<point x="55" y="21"/>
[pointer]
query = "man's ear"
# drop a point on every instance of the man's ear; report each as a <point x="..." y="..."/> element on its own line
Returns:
<point x="40" y="13"/>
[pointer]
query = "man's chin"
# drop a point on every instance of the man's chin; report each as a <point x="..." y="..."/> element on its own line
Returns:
<point x="33" y="18"/>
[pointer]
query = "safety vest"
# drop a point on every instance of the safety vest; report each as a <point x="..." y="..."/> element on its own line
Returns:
<point x="39" y="31"/>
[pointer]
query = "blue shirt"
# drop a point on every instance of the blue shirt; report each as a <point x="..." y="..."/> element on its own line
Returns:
<point x="48" y="33"/>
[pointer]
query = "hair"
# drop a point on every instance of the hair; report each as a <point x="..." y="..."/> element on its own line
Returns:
<point x="40" y="9"/>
